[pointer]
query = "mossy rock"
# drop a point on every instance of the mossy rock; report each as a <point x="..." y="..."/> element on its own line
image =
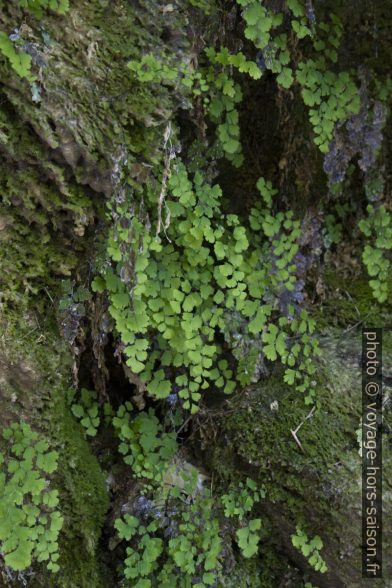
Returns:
<point x="68" y="139"/>
<point x="34" y="379"/>
<point x="312" y="478"/>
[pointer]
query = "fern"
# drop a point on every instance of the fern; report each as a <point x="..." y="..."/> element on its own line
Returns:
<point x="19" y="60"/>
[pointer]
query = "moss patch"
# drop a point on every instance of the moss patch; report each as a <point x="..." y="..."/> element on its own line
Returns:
<point x="35" y="368"/>
<point x="350" y="302"/>
<point x="318" y="486"/>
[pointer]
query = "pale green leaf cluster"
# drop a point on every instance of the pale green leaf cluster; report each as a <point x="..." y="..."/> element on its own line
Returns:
<point x="37" y="7"/>
<point x="277" y="58"/>
<point x="218" y="90"/>
<point x="299" y="356"/>
<point x="87" y="411"/>
<point x="142" y="561"/>
<point x="248" y="538"/>
<point x="378" y="227"/>
<point x="328" y="39"/>
<point x="241" y="500"/>
<point x="333" y="231"/>
<point x="310" y="549"/>
<point x="185" y="286"/>
<point x="331" y="97"/>
<point x="29" y="521"/>
<point x="259" y="22"/>
<point x="222" y="110"/>
<point x="19" y="60"/>
<point x="198" y="544"/>
<point x="152" y="69"/>
<point x="193" y="551"/>
<point x="144" y="444"/>
<point x="237" y="60"/>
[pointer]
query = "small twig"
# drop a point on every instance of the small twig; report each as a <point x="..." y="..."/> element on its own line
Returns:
<point x="357" y="324"/>
<point x="294" y="433"/>
<point x="297" y="441"/>
<point x="183" y="425"/>
<point x="48" y="293"/>
<point x="350" y="297"/>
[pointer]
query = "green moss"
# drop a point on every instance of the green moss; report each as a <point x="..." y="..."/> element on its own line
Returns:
<point x="56" y="172"/>
<point x="67" y="153"/>
<point x="270" y="446"/>
<point x="85" y="501"/>
<point x="41" y="214"/>
<point x="36" y="365"/>
<point x="252" y="573"/>
<point x="301" y="483"/>
<point x="349" y="301"/>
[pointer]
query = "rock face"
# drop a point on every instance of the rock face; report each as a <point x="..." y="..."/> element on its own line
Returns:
<point x="319" y="481"/>
<point x="64" y="135"/>
<point x="34" y="385"/>
<point x="78" y="133"/>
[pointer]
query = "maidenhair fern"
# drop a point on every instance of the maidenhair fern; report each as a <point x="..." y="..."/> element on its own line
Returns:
<point x="37" y="7"/>
<point x="86" y="411"/>
<point x="184" y="283"/>
<point x="29" y="521"/>
<point x="331" y="96"/>
<point x="19" y="60"/>
<point x="241" y="500"/>
<point x="310" y="549"/>
<point x="378" y="227"/>
<point x="248" y="538"/>
<point x="192" y="551"/>
<point x="145" y="446"/>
